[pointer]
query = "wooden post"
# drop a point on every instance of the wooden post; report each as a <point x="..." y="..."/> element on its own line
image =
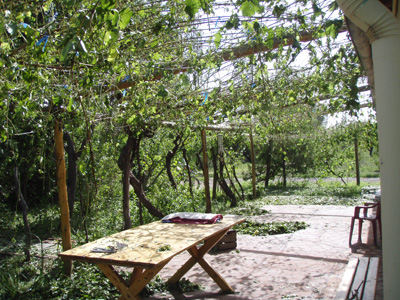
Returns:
<point x="62" y="194"/>
<point x="205" y="171"/>
<point x="268" y="166"/>
<point x="253" y="166"/>
<point x="357" y="162"/>
<point x="284" y="167"/>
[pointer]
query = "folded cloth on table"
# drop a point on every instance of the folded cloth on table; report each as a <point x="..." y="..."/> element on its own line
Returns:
<point x="192" y="218"/>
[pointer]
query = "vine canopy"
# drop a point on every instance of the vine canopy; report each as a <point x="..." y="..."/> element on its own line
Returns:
<point x="197" y="62"/>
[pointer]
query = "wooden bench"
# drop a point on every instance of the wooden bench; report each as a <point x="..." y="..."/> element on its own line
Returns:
<point x="359" y="280"/>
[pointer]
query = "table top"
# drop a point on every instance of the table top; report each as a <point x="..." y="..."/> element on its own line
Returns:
<point x="149" y="245"/>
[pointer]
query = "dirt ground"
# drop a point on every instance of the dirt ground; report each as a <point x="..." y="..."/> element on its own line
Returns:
<point x="307" y="264"/>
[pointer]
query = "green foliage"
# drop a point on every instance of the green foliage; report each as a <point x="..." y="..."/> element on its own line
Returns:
<point x="105" y="68"/>
<point x="40" y="279"/>
<point x="159" y="286"/>
<point x="250" y="8"/>
<point x="171" y="200"/>
<point x="25" y="281"/>
<point x="249" y="209"/>
<point x="319" y="152"/>
<point x="263" y="229"/>
<point x="319" y="193"/>
<point x="43" y="278"/>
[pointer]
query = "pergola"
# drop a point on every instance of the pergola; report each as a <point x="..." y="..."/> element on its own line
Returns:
<point x="382" y="29"/>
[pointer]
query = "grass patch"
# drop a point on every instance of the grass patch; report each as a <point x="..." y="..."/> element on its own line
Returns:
<point x="249" y="209"/>
<point x="160" y="286"/>
<point x="264" y="229"/>
<point x="309" y="200"/>
<point x="313" y="193"/>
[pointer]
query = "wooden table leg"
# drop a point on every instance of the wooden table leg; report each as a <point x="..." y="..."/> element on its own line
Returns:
<point x="139" y="279"/>
<point x="216" y="276"/>
<point x="117" y="280"/>
<point x="142" y="277"/>
<point x="197" y="257"/>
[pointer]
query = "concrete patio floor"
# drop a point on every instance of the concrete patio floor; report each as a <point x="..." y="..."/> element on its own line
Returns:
<point x="307" y="264"/>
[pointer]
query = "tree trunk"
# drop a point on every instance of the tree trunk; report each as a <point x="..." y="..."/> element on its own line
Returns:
<point x="168" y="160"/>
<point x="199" y="161"/>
<point x="125" y="164"/>
<point x="357" y="162"/>
<point x="238" y="182"/>
<point x="130" y="150"/>
<point x="253" y="167"/>
<point x="228" y="191"/>
<point x="83" y="215"/>
<point x="234" y="200"/>
<point x="222" y="182"/>
<point x="72" y="172"/>
<point x="72" y="177"/>
<point x="284" y="168"/>
<point x="189" y="171"/>
<point x="24" y="207"/>
<point x="205" y="172"/>
<point x="138" y="187"/>
<point x="214" y="157"/>
<point x="268" y="166"/>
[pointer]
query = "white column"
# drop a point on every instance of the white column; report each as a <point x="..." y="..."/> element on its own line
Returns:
<point x="386" y="59"/>
<point x="383" y="30"/>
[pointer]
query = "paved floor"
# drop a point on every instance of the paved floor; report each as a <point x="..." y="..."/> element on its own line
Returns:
<point x="307" y="264"/>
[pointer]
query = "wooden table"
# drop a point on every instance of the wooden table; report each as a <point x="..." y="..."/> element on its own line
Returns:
<point x="148" y="248"/>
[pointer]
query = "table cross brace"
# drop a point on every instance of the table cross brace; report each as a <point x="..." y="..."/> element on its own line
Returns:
<point x="198" y="257"/>
<point x="139" y="279"/>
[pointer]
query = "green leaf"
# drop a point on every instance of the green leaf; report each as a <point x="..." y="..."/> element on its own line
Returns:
<point x="154" y="43"/>
<point x="270" y="38"/>
<point x="124" y="17"/>
<point x="333" y="6"/>
<point x="82" y="167"/>
<point x="70" y="102"/>
<point x="256" y="27"/>
<point x="157" y="28"/>
<point x="192" y="7"/>
<point x="5" y="46"/>
<point x="112" y="55"/>
<point x="156" y="56"/>
<point x="65" y="51"/>
<point x="248" y="9"/>
<point x="316" y="9"/>
<point x="233" y="22"/>
<point x="57" y="100"/>
<point x="108" y="4"/>
<point x="185" y="80"/>
<point x="111" y="36"/>
<point x="29" y="32"/>
<point x="162" y="92"/>
<point x="112" y="17"/>
<point x="217" y="39"/>
<point x="279" y="10"/>
<point x="47" y="5"/>
<point x="229" y="25"/>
